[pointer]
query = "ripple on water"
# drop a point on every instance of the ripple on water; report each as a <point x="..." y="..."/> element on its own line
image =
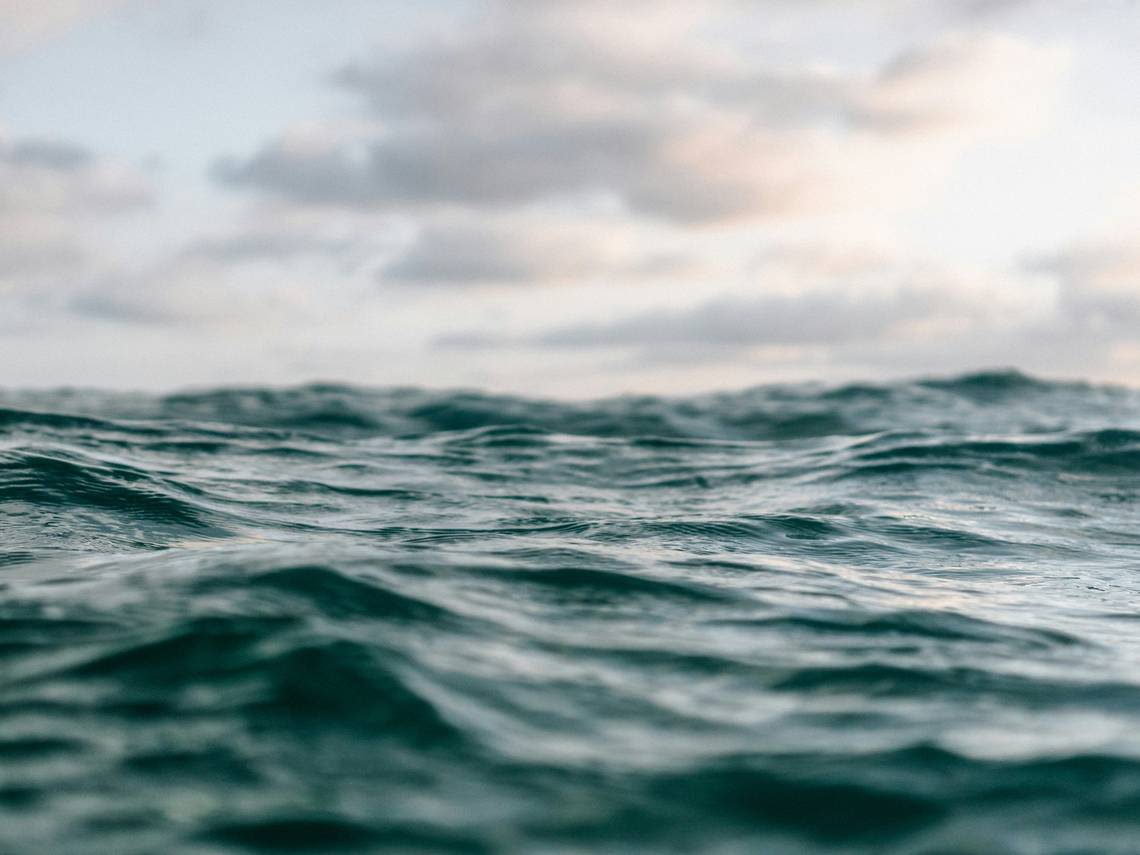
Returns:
<point x="863" y="619"/>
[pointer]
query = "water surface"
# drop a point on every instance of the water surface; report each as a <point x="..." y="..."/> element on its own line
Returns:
<point x="799" y="619"/>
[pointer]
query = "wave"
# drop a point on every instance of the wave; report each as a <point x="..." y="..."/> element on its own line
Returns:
<point x="872" y="618"/>
<point x="762" y="413"/>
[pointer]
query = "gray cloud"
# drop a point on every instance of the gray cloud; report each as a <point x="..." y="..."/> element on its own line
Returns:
<point x="813" y="318"/>
<point x="52" y="194"/>
<point x="59" y="180"/>
<point x="269" y="246"/>
<point x="527" y="249"/>
<point x="25" y="257"/>
<point x="1091" y="316"/>
<point x="469" y="254"/>
<point x="1099" y="286"/>
<point x="729" y="324"/>
<point x="989" y="8"/>
<point x="821" y="297"/>
<point x="242" y="280"/>
<point x="112" y="301"/>
<point x="477" y="135"/>
<point x="51" y="154"/>
<point x="539" y="103"/>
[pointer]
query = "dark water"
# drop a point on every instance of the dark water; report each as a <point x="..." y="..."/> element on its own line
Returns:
<point x="869" y="619"/>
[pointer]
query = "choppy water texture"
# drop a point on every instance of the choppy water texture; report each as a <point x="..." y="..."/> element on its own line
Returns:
<point x="869" y="619"/>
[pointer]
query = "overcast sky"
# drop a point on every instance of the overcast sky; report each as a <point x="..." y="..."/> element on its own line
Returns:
<point x="566" y="198"/>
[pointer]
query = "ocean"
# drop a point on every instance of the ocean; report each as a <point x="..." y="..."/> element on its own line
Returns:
<point x="880" y="618"/>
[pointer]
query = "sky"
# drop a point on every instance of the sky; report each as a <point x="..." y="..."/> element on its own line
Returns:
<point x="566" y="198"/>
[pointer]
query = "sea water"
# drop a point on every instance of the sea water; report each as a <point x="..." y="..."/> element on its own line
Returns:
<point x="895" y="618"/>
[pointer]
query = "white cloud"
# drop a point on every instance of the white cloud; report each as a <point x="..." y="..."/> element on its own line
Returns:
<point x="28" y="22"/>
<point x="681" y="193"/>
<point x="548" y="143"/>
<point x="545" y="103"/>
<point x="53" y="197"/>
<point x="558" y="143"/>
<point x="963" y="85"/>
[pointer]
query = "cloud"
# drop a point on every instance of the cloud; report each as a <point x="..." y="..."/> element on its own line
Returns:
<point x="270" y="246"/>
<point x="817" y="318"/>
<point x="1100" y="285"/>
<point x="122" y="302"/>
<point x="530" y="248"/>
<point x="869" y="309"/>
<point x="987" y="8"/>
<point x="27" y="22"/>
<point x="549" y="103"/>
<point x="822" y="296"/>
<point x="926" y="9"/>
<point x="53" y="195"/>
<point x="256" y="282"/>
<point x="732" y="323"/>
<point x="581" y="184"/>
<point x="60" y="180"/>
<point x="964" y="85"/>
<point x="541" y="143"/>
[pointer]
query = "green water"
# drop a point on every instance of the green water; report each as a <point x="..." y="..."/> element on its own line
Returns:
<point x="800" y="619"/>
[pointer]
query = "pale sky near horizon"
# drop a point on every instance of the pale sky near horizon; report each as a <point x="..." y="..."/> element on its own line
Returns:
<point x="566" y="198"/>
